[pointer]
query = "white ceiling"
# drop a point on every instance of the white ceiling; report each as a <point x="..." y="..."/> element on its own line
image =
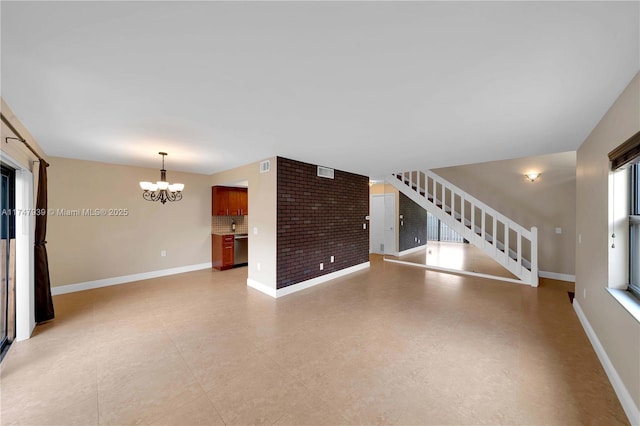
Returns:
<point x="367" y="87"/>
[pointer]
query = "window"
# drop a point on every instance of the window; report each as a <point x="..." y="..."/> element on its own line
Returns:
<point x="634" y="230"/>
<point x="626" y="158"/>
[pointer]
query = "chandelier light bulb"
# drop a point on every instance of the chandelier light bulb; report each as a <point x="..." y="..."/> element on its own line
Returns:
<point x="532" y="176"/>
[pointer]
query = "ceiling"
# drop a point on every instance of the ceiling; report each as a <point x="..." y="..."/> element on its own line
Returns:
<point x="367" y="87"/>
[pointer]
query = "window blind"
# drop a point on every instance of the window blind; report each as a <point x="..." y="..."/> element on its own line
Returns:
<point x="625" y="153"/>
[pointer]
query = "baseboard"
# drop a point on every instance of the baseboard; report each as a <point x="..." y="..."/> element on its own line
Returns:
<point x="270" y="291"/>
<point x="70" y="288"/>
<point x="319" y="280"/>
<point x="412" y="250"/>
<point x="305" y="284"/>
<point x="557" y="276"/>
<point x="629" y="406"/>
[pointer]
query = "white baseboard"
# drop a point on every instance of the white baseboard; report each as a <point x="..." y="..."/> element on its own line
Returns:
<point x="557" y="276"/>
<point x="305" y="284"/>
<point x="270" y="291"/>
<point x="629" y="406"/>
<point x="70" y="288"/>
<point x="412" y="250"/>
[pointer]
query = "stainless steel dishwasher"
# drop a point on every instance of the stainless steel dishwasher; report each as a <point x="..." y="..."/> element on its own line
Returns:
<point x="241" y="249"/>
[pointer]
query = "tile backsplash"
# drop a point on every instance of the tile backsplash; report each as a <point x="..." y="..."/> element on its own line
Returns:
<point x="222" y="224"/>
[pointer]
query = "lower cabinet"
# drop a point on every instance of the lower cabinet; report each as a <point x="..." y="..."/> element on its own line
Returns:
<point x="222" y="251"/>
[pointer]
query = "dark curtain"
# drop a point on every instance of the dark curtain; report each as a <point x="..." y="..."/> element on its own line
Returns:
<point x="43" y="300"/>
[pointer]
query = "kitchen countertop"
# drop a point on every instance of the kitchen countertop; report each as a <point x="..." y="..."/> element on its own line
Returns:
<point x="230" y="233"/>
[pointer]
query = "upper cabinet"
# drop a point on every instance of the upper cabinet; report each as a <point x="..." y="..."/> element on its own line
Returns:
<point x="229" y="201"/>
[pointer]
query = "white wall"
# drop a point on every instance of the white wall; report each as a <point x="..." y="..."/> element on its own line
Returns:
<point x="262" y="216"/>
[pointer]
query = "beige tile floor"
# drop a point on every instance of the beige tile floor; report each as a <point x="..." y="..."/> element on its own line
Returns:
<point x="458" y="256"/>
<point x="392" y="345"/>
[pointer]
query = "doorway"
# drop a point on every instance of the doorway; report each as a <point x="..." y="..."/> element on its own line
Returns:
<point x="8" y="258"/>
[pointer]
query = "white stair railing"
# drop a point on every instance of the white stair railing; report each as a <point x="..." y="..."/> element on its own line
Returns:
<point x="510" y="244"/>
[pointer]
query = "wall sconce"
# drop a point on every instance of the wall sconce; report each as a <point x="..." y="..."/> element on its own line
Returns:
<point x="532" y="176"/>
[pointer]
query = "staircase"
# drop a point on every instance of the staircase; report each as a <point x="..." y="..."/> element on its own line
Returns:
<point x="508" y="243"/>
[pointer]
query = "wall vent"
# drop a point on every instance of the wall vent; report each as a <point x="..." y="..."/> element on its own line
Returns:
<point x="325" y="172"/>
<point x="265" y="166"/>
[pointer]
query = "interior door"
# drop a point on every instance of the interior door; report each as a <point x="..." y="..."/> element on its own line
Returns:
<point x="376" y="224"/>
<point x="390" y="224"/>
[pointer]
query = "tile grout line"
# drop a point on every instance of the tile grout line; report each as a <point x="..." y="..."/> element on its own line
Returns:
<point x="195" y="379"/>
<point x="304" y="385"/>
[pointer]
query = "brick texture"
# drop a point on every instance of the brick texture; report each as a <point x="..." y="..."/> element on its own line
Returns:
<point x="415" y="224"/>
<point x="319" y="218"/>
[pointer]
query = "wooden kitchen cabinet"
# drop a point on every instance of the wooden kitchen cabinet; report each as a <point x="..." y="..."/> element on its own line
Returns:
<point x="243" y="201"/>
<point x="222" y="251"/>
<point x="219" y="201"/>
<point x="229" y="201"/>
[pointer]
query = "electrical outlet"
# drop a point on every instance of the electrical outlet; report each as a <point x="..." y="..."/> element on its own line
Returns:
<point x="255" y="230"/>
<point x="584" y="293"/>
<point x="321" y="266"/>
<point x="163" y="253"/>
<point x="579" y="238"/>
<point x="558" y="230"/>
<point x="258" y="266"/>
<point x="332" y="259"/>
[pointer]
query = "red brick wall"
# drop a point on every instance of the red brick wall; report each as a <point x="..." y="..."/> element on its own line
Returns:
<point x="319" y="218"/>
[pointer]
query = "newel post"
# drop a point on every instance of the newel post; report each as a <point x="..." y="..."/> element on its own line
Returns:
<point x="534" y="256"/>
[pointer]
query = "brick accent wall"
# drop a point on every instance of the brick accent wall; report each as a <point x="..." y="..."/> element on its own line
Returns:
<point x="318" y="218"/>
<point x="415" y="224"/>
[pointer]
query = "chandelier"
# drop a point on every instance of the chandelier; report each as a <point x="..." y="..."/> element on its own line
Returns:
<point x="162" y="190"/>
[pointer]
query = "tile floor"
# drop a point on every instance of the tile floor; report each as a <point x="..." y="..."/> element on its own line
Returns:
<point x="391" y="345"/>
<point x="464" y="257"/>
